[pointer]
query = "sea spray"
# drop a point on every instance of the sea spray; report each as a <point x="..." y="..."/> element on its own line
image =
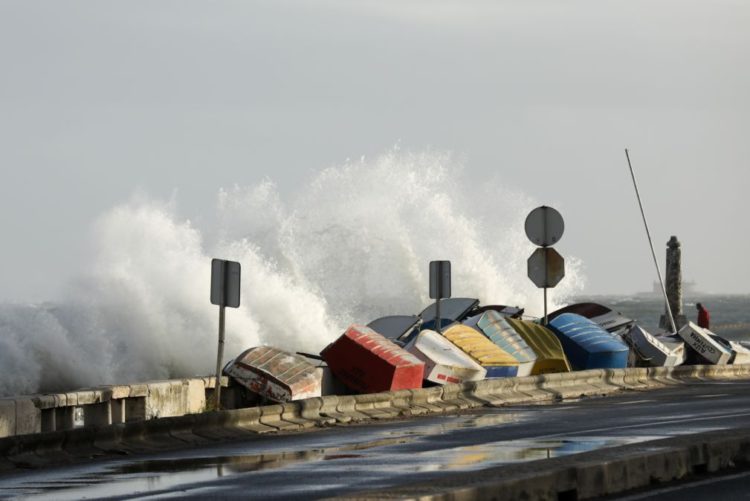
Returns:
<point x="363" y="235"/>
<point x="353" y="245"/>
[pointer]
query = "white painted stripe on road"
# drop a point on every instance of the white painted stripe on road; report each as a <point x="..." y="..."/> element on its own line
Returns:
<point x="714" y="396"/>
<point x="634" y="402"/>
<point x="687" y="485"/>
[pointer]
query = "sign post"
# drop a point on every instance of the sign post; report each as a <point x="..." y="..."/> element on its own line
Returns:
<point x="440" y="287"/>
<point x="545" y="226"/>
<point x="225" y="291"/>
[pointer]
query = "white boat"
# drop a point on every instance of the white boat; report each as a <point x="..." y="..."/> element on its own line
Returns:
<point x="741" y="354"/>
<point x="444" y="361"/>
<point x="655" y="351"/>
<point x="701" y="341"/>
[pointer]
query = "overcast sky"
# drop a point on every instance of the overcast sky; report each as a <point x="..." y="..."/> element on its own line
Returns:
<point x="99" y="100"/>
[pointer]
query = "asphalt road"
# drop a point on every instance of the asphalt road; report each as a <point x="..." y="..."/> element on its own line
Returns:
<point x="732" y="486"/>
<point x="347" y="459"/>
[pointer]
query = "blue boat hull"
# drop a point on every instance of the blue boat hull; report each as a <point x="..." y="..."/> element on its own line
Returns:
<point x="587" y="345"/>
<point x="605" y="360"/>
<point x="501" y="371"/>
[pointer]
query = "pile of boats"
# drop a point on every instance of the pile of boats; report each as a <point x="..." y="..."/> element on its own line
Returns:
<point x="475" y="342"/>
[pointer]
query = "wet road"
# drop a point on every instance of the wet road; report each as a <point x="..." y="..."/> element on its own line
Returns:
<point x="733" y="486"/>
<point x="353" y="458"/>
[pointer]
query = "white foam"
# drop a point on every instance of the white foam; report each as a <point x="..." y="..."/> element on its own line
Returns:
<point x="353" y="246"/>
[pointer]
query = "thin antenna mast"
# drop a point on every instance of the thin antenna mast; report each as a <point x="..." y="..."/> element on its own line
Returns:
<point x="651" y="244"/>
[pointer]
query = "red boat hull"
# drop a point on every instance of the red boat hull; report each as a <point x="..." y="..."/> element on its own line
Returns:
<point x="369" y="363"/>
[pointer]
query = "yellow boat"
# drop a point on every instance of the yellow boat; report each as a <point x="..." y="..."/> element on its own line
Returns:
<point x="497" y="361"/>
<point x="549" y="351"/>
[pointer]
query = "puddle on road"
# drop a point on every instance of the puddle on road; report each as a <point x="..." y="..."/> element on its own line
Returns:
<point x="162" y="478"/>
<point x="463" y="421"/>
<point x="512" y="451"/>
<point x="154" y="476"/>
<point x="379" y="456"/>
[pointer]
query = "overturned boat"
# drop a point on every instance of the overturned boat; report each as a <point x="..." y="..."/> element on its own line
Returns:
<point x="444" y="361"/>
<point x="275" y="374"/>
<point x="740" y="353"/>
<point x="367" y="362"/>
<point x="397" y="328"/>
<point x="499" y="331"/>
<point x="330" y="384"/>
<point x="655" y="351"/>
<point x="587" y="345"/>
<point x="504" y="310"/>
<point x="550" y="356"/>
<point x="495" y="360"/>
<point x="452" y="310"/>
<point x="702" y="343"/>
<point x="608" y="319"/>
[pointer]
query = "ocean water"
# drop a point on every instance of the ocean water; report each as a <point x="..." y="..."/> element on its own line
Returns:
<point x="730" y="314"/>
<point x="351" y="246"/>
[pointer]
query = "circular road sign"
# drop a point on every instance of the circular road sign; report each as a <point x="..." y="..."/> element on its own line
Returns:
<point x="544" y="226"/>
<point x="546" y="267"/>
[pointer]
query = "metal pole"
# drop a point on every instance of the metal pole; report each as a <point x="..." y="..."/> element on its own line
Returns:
<point x="219" y="357"/>
<point x="546" y="268"/>
<point x="438" y="327"/>
<point x="651" y="244"/>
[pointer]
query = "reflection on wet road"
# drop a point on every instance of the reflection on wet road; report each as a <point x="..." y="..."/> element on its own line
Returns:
<point x="347" y="459"/>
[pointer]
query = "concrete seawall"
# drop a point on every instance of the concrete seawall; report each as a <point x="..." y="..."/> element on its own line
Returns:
<point x="40" y="448"/>
<point x="105" y="405"/>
